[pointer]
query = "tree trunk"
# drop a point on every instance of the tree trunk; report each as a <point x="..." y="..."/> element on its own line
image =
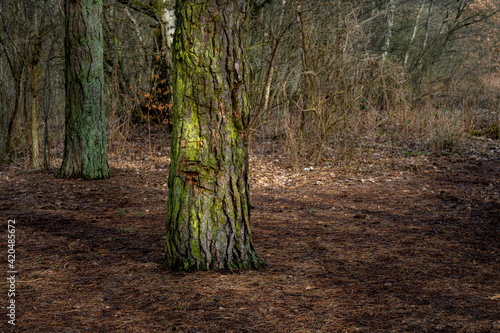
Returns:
<point x="427" y="26"/>
<point x="415" y="29"/>
<point x="12" y="120"/>
<point x="160" y="101"/>
<point x="208" y="225"/>
<point x="390" y="24"/>
<point x="85" y="141"/>
<point x="35" y="150"/>
<point x="158" y="105"/>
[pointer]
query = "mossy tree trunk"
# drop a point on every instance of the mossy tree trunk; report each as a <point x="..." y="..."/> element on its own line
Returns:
<point x="85" y="152"/>
<point x="208" y="225"/>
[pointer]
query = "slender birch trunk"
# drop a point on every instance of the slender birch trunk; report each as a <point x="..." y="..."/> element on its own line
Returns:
<point x="415" y="30"/>
<point x="390" y="23"/>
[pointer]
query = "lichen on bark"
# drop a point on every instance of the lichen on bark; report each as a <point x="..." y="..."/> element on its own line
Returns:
<point x="208" y="220"/>
<point x="85" y="151"/>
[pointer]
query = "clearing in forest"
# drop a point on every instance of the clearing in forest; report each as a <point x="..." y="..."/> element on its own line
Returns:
<point x="387" y="244"/>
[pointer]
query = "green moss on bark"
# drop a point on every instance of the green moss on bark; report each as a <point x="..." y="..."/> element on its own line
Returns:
<point x="208" y="221"/>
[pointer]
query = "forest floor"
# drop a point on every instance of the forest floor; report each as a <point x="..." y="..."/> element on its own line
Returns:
<point x="407" y="243"/>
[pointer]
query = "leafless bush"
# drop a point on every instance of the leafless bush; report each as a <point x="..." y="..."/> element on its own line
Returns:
<point x="330" y="93"/>
<point x="321" y="89"/>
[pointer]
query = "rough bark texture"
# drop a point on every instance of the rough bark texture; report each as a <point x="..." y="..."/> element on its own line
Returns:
<point x="208" y="225"/>
<point x="85" y="142"/>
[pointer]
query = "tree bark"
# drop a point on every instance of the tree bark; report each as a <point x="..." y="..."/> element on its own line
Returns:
<point x="414" y="34"/>
<point x="390" y="24"/>
<point x="35" y="149"/>
<point x="208" y="220"/>
<point x="160" y="101"/>
<point x="427" y="26"/>
<point x="18" y="84"/>
<point x="85" y="135"/>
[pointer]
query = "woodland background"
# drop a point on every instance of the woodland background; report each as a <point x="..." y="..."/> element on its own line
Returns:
<point x="328" y="78"/>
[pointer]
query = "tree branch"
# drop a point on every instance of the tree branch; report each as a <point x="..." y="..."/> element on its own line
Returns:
<point x="258" y="5"/>
<point x="148" y="8"/>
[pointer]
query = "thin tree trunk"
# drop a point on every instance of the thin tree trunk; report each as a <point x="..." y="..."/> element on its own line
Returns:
<point x="390" y="24"/>
<point x="160" y="91"/>
<point x="138" y="33"/>
<point x="35" y="149"/>
<point x="85" y="141"/>
<point x="160" y="104"/>
<point x="120" y="76"/>
<point x="308" y="82"/>
<point x="427" y="26"/>
<point x="415" y="30"/>
<point x="46" y="101"/>
<point x="372" y="25"/>
<point x="208" y="219"/>
<point x="13" y="115"/>
<point x="167" y="24"/>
